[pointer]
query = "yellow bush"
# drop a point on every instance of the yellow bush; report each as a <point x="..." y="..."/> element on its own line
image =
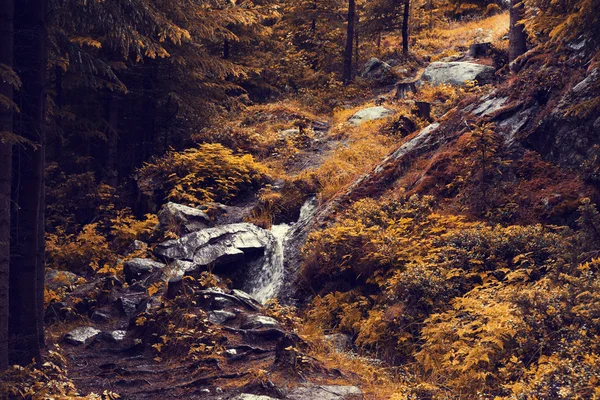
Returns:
<point x="125" y="228"/>
<point x="77" y="252"/>
<point x="410" y="262"/>
<point x="196" y="176"/>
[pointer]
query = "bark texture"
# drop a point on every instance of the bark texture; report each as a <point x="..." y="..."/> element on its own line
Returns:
<point x="6" y="125"/>
<point x="27" y="258"/>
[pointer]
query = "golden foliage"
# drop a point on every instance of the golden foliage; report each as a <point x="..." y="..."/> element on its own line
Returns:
<point x="197" y="176"/>
<point x="48" y="381"/>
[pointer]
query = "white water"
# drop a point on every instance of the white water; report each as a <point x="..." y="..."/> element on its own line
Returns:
<point x="269" y="276"/>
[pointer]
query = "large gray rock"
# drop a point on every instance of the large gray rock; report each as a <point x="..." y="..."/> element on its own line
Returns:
<point x="219" y="245"/>
<point x="370" y="114"/>
<point x="186" y="219"/>
<point x="259" y="322"/>
<point x="377" y="70"/>
<point x="246" y="396"/>
<point x="139" y="268"/>
<point x="219" y="317"/>
<point x="457" y="73"/>
<point x="221" y="214"/>
<point x="325" y="392"/>
<point x="79" y="336"/>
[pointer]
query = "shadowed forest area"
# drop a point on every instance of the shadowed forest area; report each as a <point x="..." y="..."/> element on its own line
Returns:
<point x="300" y="199"/>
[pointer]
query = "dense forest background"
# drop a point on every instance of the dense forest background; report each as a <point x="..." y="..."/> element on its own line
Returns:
<point x="465" y="262"/>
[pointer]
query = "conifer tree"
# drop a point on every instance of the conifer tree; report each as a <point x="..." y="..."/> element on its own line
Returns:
<point x="6" y="127"/>
<point x="349" y="42"/>
<point x="27" y="261"/>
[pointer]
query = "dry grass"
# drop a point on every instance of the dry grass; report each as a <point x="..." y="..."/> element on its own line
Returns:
<point x="375" y="380"/>
<point x="454" y="38"/>
<point x="360" y="149"/>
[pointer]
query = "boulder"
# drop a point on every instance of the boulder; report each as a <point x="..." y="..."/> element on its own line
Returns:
<point x="137" y="245"/>
<point x="219" y="245"/>
<point x="113" y="336"/>
<point x="246" y="299"/>
<point x="221" y="214"/>
<point x="79" y="336"/>
<point x="370" y="114"/>
<point x="377" y="70"/>
<point x="325" y="392"/>
<point x="59" y="279"/>
<point x="219" y="317"/>
<point x="139" y="268"/>
<point x="100" y="317"/>
<point x="259" y="322"/>
<point x="457" y="73"/>
<point x="186" y="219"/>
<point x="131" y="304"/>
<point x="246" y="396"/>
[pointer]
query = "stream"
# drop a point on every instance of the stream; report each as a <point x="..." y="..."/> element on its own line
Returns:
<point x="268" y="276"/>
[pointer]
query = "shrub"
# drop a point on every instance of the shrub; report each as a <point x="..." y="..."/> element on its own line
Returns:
<point x="210" y="173"/>
<point x="385" y="267"/>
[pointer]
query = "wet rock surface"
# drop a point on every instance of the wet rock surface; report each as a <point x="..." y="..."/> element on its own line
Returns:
<point x="188" y="219"/>
<point x="139" y="268"/>
<point x="457" y="73"/>
<point x="220" y="245"/>
<point x="377" y="70"/>
<point x="81" y="335"/>
<point x="325" y="392"/>
<point x="370" y="114"/>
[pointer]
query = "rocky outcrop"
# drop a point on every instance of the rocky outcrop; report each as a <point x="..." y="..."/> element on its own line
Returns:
<point x="81" y="335"/>
<point x="259" y="322"/>
<point x="325" y="392"/>
<point x="457" y="73"/>
<point x="182" y="218"/>
<point x="565" y="139"/>
<point x="220" y="245"/>
<point x="377" y="70"/>
<point x="370" y="114"/>
<point x="138" y="269"/>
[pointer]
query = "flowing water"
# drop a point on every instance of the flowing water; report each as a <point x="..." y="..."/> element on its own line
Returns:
<point x="268" y="276"/>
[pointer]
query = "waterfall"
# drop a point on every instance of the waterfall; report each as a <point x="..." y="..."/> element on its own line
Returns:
<point x="268" y="276"/>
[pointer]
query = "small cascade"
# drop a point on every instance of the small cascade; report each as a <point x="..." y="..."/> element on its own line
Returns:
<point x="267" y="278"/>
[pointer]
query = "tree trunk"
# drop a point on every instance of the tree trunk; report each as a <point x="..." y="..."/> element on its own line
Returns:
<point x="517" y="35"/>
<point x="349" y="42"/>
<point x="6" y="125"/>
<point x="112" y="135"/>
<point x="356" y="42"/>
<point x="405" y="27"/>
<point x="27" y="262"/>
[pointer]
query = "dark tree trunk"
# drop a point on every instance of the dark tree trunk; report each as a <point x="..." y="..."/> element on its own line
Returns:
<point x="349" y="42"/>
<point x="6" y="125"/>
<point x="112" y="135"/>
<point x="517" y="35"/>
<point x="356" y="42"/>
<point x="27" y="261"/>
<point x="59" y="101"/>
<point x="148" y="112"/>
<point x="405" y="27"/>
